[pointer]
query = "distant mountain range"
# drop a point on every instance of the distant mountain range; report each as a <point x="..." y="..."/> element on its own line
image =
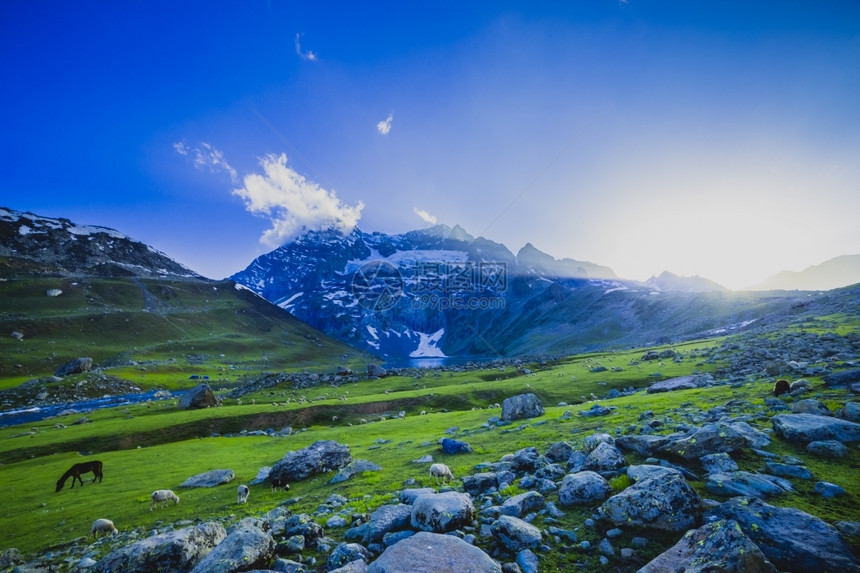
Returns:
<point x="837" y="272"/>
<point x="432" y="293"/>
<point x="440" y="292"/>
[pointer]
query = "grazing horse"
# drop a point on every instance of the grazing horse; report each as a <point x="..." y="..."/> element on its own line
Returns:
<point x="76" y="470"/>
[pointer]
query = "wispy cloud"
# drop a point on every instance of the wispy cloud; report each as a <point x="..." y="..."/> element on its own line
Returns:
<point x="384" y="126"/>
<point x="292" y="203"/>
<point x="425" y="216"/>
<point x="308" y="55"/>
<point x="207" y="156"/>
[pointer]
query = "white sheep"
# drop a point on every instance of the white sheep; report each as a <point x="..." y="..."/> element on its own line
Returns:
<point x="104" y="526"/>
<point x="242" y="494"/>
<point x="441" y="471"/>
<point x="162" y="496"/>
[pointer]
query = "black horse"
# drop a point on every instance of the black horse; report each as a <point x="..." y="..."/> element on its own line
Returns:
<point x="76" y="470"/>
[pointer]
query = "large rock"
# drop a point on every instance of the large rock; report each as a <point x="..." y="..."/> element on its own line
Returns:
<point x="75" y="366"/>
<point x="304" y="525"/>
<point x="209" y="479"/>
<point x="388" y="518"/>
<point x="352" y="468"/>
<point x="520" y="505"/>
<point x="477" y="484"/>
<point x="451" y="446"/>
<point x="430" y="552"/>
<point x="746" y="483"/>
<point x="679" y="383"/>
<point x="317" y="458"/>
<point x="515" y="534"/>
<point x="246" y="547"/>
<point x="645" y="445"/>
<point x="810" y="428"/>
<point x="718" y="546"/>
<point x="842" y="378"/>
<point x="708" y="439"/>
<point x="583" y="488"/>
<point x="522" y="406"/>
<point x="346" y="553"/>
<point x="791" y="539"/>
<point x="604" y="458"/>
<point x="559" y="452"/>
<point x="442" y="512"/>
<point x="176" y="551"/>
<point x="201" y="396"/>
<point x="663" y="502"/>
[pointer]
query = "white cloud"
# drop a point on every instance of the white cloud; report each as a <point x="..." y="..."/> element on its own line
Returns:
<point x="425" y="216"/>
<point x="207" y="156"/>
<point x="310" y="56"/>
<point x="384" y="126"/>
<point x="292" y="203"/>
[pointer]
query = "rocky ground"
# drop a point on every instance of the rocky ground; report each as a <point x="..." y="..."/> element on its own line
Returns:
<point x="485" y="524"/>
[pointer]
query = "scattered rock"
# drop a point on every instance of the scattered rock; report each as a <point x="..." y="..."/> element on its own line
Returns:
<point x="442" y="512"/>
<point x="178" y="550"/>
<point x="522" y="406"/>
<point x="209" y="479"/>
<point x="664" y="502"/>
<point x="583" y="487"/>
<point x="433" y="552"/>
<point x="515" y="534"/>
<point x="75" y="366"/>
<point x="809" y="428"/>
<point x="245" y="547"/>
<point x="199" y="397"/>
<point x="319" y="457"/>
<point x="718" y="546"/>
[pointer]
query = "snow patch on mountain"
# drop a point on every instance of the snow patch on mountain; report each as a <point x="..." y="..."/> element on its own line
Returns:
<point x="428" y="345"/>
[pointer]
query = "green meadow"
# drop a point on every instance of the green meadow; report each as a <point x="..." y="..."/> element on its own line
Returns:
<point x="156" y="446"/>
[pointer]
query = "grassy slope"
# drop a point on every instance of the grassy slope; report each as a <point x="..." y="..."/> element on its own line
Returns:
<point x="35" y="517"/>
<point x="164" y="330"/>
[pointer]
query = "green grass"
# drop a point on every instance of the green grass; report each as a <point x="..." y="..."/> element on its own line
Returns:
<point x="147" y="447"/>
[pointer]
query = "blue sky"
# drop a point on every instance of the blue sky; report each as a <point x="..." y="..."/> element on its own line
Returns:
<point x="712" y="138"/>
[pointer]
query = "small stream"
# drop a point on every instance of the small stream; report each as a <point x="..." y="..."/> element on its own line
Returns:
<point x="38" y="413"/>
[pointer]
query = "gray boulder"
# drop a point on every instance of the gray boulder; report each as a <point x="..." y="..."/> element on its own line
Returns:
<point x="746" y="483"/>
<point x="592" y="441"/>
<point x="791" y="539"/>
<point x="842" y="378"/>
<point x="559" y="452"/>
<point x="604" y="458"/>
<point x="718" y="546"/>
<point x="199" y="397"/>
<point x="810" y="428"/>
<point x="357" y="566"/>
<point x="319" y="457"/>
<point x="663" y="502"/>
<point x="827" y="449"/>
<point x="522" y="406"/>
<point x="477" y="484"/>
<point x="788" y="470"/>
<point x="209" y="479"/>
<point x="75" y="366"/>
<point x="583" y="488"/>
<point x="429" y="552"/>
<point x="376" y="370"/>
<point x="850" y="411"/>
<point x="680" y="383"/>
<point x="352" y="468"/>
<point x="442" y="512"/>
<point x="811" y="406"/>
<point x="304" y="525"/>
<point x="716" y="463"/>
<point x="346" y="553"/>
<point x="409" y="495"/>
<point x="645" y="445"/>
<point x="178" y="551"/>
<point x="246" y="547"/>
<point x="522" y="504"/>
<point x="527" y="460"/>
<point x="515" y="534"/>
<point x="388" y="518"/>
<point x="708" y="439"/>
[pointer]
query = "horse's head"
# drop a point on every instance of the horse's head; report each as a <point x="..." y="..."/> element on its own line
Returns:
<point x="60" y="484"/>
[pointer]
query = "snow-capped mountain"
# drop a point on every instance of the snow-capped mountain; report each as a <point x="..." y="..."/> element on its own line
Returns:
<point x="45" y="245"/>
<point x="440" y="292"/>
<point x="409" y="295"/>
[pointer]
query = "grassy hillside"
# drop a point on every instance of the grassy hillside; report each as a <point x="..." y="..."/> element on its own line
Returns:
<point x="156" y="332"/>
<point x="153" y="446"/>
